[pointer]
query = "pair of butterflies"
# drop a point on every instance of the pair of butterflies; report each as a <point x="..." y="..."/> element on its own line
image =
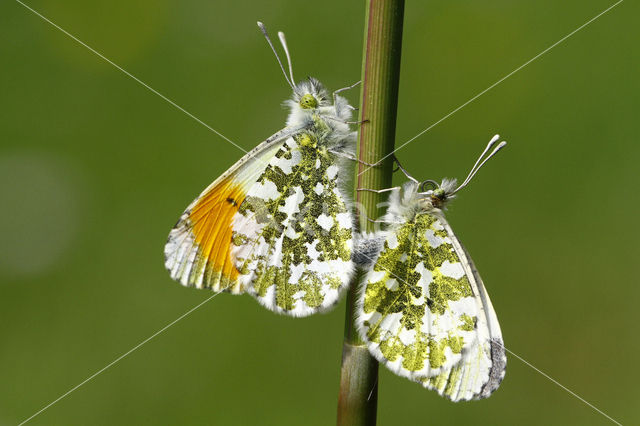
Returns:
<point x="279" y="225"/>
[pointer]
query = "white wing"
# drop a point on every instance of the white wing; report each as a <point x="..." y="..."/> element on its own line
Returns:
<point x="483" y="368"/>
<point x="292" y="237"/>
<point x="197" y="252"/>
<point x="425" y="315"/>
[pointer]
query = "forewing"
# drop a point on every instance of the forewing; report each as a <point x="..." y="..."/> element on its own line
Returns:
<point x="482" y="368"/>
<point x="292" y="237"/>
<point x="418" y="312"/>
<point x="197" y="253"/>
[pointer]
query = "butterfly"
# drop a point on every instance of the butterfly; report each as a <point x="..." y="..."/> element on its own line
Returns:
<point x="423" y="309"/>
<point x="278" y="224"/>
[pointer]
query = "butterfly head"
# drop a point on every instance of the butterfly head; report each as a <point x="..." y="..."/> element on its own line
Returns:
<point x="310" y="95"/>
<point x="429" y="194"/>
<point x="308" y="101"/>
<point x="433" y="195"/>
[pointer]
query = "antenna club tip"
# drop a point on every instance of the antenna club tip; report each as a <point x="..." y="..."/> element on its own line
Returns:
<point x="260" y="24"/>
<point x="495" y="138"/>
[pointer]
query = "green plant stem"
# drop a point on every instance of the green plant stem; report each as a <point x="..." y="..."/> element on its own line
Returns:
<point x="357" y="402"/>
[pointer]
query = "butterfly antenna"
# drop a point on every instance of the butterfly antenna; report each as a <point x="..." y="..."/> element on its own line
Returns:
<point x="480" y="162"/>
<point x="283" y="42"/>
<point x="264" y="31"/>
<point x="488" y="147"/>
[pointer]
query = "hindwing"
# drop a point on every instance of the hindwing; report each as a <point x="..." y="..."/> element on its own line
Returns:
<point x="425" y="314"/>
<point x="482" y="369"/>
<point x="418" y="309"/>
<point x="292" y="236"/>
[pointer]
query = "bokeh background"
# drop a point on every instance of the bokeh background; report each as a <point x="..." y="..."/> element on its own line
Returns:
<point x="95" y="170"/>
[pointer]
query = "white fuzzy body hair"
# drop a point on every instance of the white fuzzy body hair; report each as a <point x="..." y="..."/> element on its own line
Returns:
<point x="334" y="116"/>
<point x="337" y="135"/>
<point x="448" y="186"/>
<point x="367" y="247"/>
<point x="406" y="202"/>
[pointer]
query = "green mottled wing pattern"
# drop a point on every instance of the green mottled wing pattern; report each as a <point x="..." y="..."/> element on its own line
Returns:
<point x="418" y="309"/>
<point x="292" y="236"/>
<point x="482" y="369"/>
<point x="421" y="311"/>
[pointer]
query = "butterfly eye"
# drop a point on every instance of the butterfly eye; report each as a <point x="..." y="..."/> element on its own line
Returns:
<point x="308" y="101"/>
<point x="439" y="193"/>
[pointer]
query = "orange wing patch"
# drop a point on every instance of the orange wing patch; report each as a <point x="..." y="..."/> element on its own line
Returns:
<point x="211" y="218"/>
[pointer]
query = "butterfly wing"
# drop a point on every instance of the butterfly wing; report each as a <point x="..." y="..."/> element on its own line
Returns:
<point x="197" y="253"/>
<point x="422" y="312"/>
<point x="480" y="372"/>
<point x="292" y="237"/>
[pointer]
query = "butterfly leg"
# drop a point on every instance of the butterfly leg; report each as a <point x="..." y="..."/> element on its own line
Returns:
<point x="353" y="158"/>
<point x="406" y="173"/>
<point x="375" y="220"/>
<point x="364" y="215"/>
<point x="346" y="122"/>
<point x="356" y="122"/>
<point x="378" y="191"/>
<point x="398" y="167"/>
<point x="335" y="94"/>
<point x="376" y="164"/>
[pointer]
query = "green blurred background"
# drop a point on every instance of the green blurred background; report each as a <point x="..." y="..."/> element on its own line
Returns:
<point x="95" y="170"/>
